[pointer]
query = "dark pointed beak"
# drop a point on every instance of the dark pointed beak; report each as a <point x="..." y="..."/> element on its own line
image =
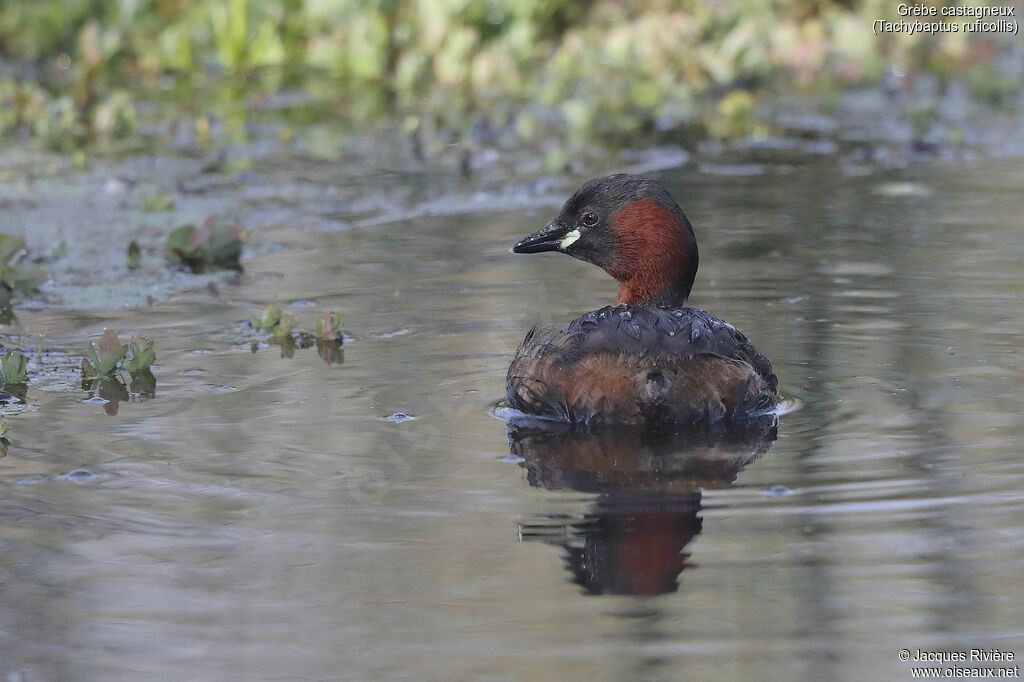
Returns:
<point x="547" y="238"/>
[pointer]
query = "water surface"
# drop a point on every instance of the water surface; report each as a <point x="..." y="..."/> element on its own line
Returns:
<point x="261" y="517"/>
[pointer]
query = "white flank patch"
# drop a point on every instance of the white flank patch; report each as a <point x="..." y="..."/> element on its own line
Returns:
<point x="569" y="239"/>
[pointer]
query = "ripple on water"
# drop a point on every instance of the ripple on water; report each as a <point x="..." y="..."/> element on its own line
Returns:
<point x="296" y="496"/>
<point x="78" y="476"/>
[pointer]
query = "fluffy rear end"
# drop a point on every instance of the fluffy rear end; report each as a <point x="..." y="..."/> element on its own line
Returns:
<point x="609" y="388"/>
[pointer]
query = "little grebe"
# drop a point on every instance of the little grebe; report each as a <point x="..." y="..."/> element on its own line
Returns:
<point x="649" y="360"/>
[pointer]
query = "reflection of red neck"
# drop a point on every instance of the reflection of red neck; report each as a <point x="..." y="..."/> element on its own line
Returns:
<point x="656" y="254"/>
<point x="651" y="550"/>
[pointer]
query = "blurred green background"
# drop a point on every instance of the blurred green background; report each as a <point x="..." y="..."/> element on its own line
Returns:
<point x="78" y="72"/>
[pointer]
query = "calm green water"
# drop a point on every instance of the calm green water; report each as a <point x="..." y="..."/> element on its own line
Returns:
<point x="261" y="519"/>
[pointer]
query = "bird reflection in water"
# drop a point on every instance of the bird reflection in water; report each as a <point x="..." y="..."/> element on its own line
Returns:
<point x="632" y="539"/>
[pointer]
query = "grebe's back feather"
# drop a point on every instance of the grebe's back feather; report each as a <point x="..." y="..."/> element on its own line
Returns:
<point x="641" y="364"/>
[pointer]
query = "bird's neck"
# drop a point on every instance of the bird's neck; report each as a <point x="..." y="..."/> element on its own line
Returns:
<point x="657" y="258"/>
<point x="641" y="292"/>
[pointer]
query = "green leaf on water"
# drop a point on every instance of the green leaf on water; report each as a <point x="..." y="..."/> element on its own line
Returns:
<point x="16" y="275"/>
<point x="217" y="244"/>
<point x="143" y="382"/>
<point x="284" y="327"/>
<point x="10" y="246"/>
<point x="178" y="241"/>
<point x="271" y="316"/>
<point x="88" y="370"/>
<point x="12" y="368"/>
<point x="328" y="327"/>
<point x="143" y="355"/>
<point x="214" y="245"/>
<point x="107" y="353"/>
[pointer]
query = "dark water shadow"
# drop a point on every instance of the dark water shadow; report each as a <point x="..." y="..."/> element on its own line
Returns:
<point x="633" y="537"/>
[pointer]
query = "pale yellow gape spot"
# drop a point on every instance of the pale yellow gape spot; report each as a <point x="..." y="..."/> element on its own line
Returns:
<point x="569" y="239"/>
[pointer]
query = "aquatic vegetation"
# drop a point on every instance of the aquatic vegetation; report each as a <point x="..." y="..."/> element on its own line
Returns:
<point x="142" y="355"/>
<point x="330" y="352"/>
<point x="214" y="245"/>
<point x="738" y="115"/>
<point x="268" y="320"/>
<point x="110" y="391"/>
<point x="104" y="358"/>
<point x="12" y="368"/>
<point x="598" y="67"/>
<point x="328" y="327"/>
<point x="14" y="271"/>
<point x="280" y="325"/>
<point x="283" y="330"/>
<point x="13" y="377"/>
<point x="242" y="41"/>
<point x="143" y="382"/>
<point x="329" y="338"/>
<point x="16" y="275"/>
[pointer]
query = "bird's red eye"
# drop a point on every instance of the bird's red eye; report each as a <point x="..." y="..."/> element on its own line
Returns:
<point x="590" y="219"/>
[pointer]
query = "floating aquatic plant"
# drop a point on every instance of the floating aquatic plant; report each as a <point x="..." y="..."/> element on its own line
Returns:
<point x="329" y="338"/>
<point x="214" y="245"/>
<point x="104" y="356"/>
<point x="283" y="329"/>
<point x="142" y="355"/>
<point x="17" y="275"/>
<point x="112" y="392"/>
<point x="328" y="327"/>
<point x="284" y="332"/>
<point x="108" y="355"/>
<point x="330" y="351"/>
<point x="268" y="320"/>
<point x="12" y="368"/>
<point x="13" y="377"/>
<point x="280" y="325"/>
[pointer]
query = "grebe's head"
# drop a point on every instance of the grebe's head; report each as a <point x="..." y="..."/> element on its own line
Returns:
<point x="630" y="226"/>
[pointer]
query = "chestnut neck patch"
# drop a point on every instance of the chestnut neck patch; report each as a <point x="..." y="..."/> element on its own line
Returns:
<point x="656" y="254"/>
